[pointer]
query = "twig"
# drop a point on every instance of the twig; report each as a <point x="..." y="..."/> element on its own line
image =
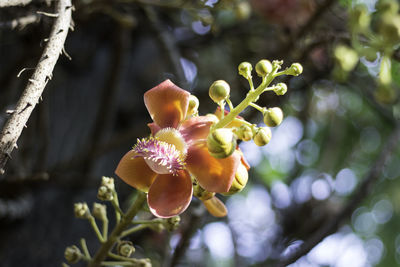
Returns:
<point x="21" y="22"/>
<point x="33" y="91"/>
<point x="362" y="191"/>
<point x="8" y="3"/>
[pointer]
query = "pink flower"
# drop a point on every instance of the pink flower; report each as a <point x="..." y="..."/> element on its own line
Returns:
<point x="163" y="164"/>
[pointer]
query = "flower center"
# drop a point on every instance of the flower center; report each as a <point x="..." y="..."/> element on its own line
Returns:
<point x="172" y="136"/>
<point x="160" y="156"/>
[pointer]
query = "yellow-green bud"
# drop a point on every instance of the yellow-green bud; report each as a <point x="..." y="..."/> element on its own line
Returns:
<point x="360" y="18"/>
<point x="81" y="210"/>
<point x="262" y="136"/>
<point x="105" y="193"/>
<point x="125" y="248"/>
<point x="193" y="105"/>
<point x="108" y="182"/>
<point x="295" y="69"/>
<point x="201" y="193"/>
<point x="172" y="223"/>
<point x="387" y="6"/>
<point x="389" y="28"/>
<point x="263" y="67"/>
<point x="346" y="57"/>
<point x="219" y="91"/>
<point x="245" y="69"/>
<point x="240" y="181"/>
<point x="221" y="143"/>
<point x="72" y="254"/>
<point x="273" y="117"/>
<point x="280" y="89"/>
<point x="244" y="132"/>
<point x="99" y="211"/>
<point x="243" y="10"/>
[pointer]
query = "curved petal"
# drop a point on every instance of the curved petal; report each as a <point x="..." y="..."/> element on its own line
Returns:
<point x="167" y="104"/>
<point x="214" y="175"/>
<point x="170" y="195"/>
<point x="135" y="172"/>
<point x="196" y="128"/>
<point x="215" y="207"/>
<point x="154" y="128"/>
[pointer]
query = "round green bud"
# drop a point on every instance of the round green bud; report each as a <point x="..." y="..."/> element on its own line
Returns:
<point x="72" y="254"/>
<point x="219" y="91"/>
<point x="244" y="132"/>
<point x="263" y="136"/>
<point x="125" y="248"/>
<point x="388" y="6"/>
<point x="295" y="69"/>
<point x="245" y="69"/>
<point x="240" y="181"/>
<point x="280" y="89"/>
<point x="360" y="18"/>
<point x="273" y="117"/>
<point x="81" y="210"/>
<point x="389" y="28"/>
<point x="99" y="211"/>
<point x="263" y="67"/>
<point x="346" y="57"/>
<point x="193" y="105"/>
<point x="221" y="143"/>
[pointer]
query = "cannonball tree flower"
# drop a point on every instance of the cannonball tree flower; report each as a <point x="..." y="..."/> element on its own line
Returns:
<point x="163" y="164"/>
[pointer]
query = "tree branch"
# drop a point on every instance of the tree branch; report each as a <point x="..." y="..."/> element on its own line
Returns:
<point x="33" y="91"/>
<point x="362" y="191"/>
<point x="7" y="3"/>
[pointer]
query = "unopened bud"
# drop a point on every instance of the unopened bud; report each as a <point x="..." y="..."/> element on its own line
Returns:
<point x="263" y="67"/>
<point x="99" y="211"/>
<point x="263" y="136"/>
<point x="219" y="91"/>
<point x="105" y="193"/>
<point x="72" y="254"/>
<point x="172" y="223"/>
<point x="389" y="28"/>
<point x="273" y="117"/>
<point x="244" y="132"/>
<point x="221" y="143"/>
<point x="245" y="69"/>
<point x="201" y="193"/>
<point x="295" y="69"/>
<point x="81" y="210"/>
<point x="360" y="18"/>
<point x="108" y="182"/>
<point x="193" y="105"/>
<point x="280" y="89"/>
<point x="240" y="181"/>
<point x="125" y="248"/>
<point x="346" y="57"/>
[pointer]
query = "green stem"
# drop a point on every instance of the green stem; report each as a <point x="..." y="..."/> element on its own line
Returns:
<point x="254" y="105"/>
<point x="155" y="221"/>
<point x="116" y="263"/>
<point x="229" y="104"/>
<point x="105" y="228"/>
<point x="115" y="203"/>
<point x="119" y="228"/>
<point x="251" y="97"/>
<point x="93" y="223"/>
<point x="121" y="258"/>
<point x="134" y="229"/>
<point x="251" y="83"/>
<point x="85" y="249"/>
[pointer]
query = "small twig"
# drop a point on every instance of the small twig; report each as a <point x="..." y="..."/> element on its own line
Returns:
<point x="52" y="15"/>
<point x="33" y="91"/>
<point x="8" y="3"/>
<point x="362" y="191"/>
<point x="21" y="22"/>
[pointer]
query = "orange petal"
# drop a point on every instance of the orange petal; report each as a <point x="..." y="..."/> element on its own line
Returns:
<point x="135" y="172"/>
<point x="196" y="128"/>
<point x="215" y="207"/>
<point x="214" y="175"/>
<point x="170" y="195"/>
<point x="167" y="104"/>
<point x="154" y="128"/>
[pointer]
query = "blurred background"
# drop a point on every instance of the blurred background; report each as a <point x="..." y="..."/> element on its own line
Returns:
<point x="324" y="192"/>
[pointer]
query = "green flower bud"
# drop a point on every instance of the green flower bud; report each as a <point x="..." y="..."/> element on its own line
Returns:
<point x="273" y="117"/>
<point x="240" y="181"/>
<point x="388" y="6"/>
<point x="263" y="136"/>
<point x="193" y="105"/>
<point x="243" y="10"/>
<point x="263" y="67"/>
<point x="280" y="89"/>
<point x="219" y="91"/>
<point x="172" y="223"/>
<point x="295" y="69"/>
<point x="346" y="57"/>
<point x="245" y="69"/>
<point x="99" y="211"/>
<point x="125" y="248"/>
<point x="389" y="28"/>
<point x="72" y="254"/>
<point x="81" y="210"/>
<point x="108" y="182"/>
<point x="201" y="193"/>
<point x="221" y="143"/>
<point x="105" y="193"/>
<point x="360" y="18"/>
<point x="244" y="132"/>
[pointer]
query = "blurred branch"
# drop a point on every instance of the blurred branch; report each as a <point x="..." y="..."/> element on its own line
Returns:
<point x="33" y="91"/>
<point x="8" y="3"/>
<point x="21" y="22"/>
<point x="363" y="190"/>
